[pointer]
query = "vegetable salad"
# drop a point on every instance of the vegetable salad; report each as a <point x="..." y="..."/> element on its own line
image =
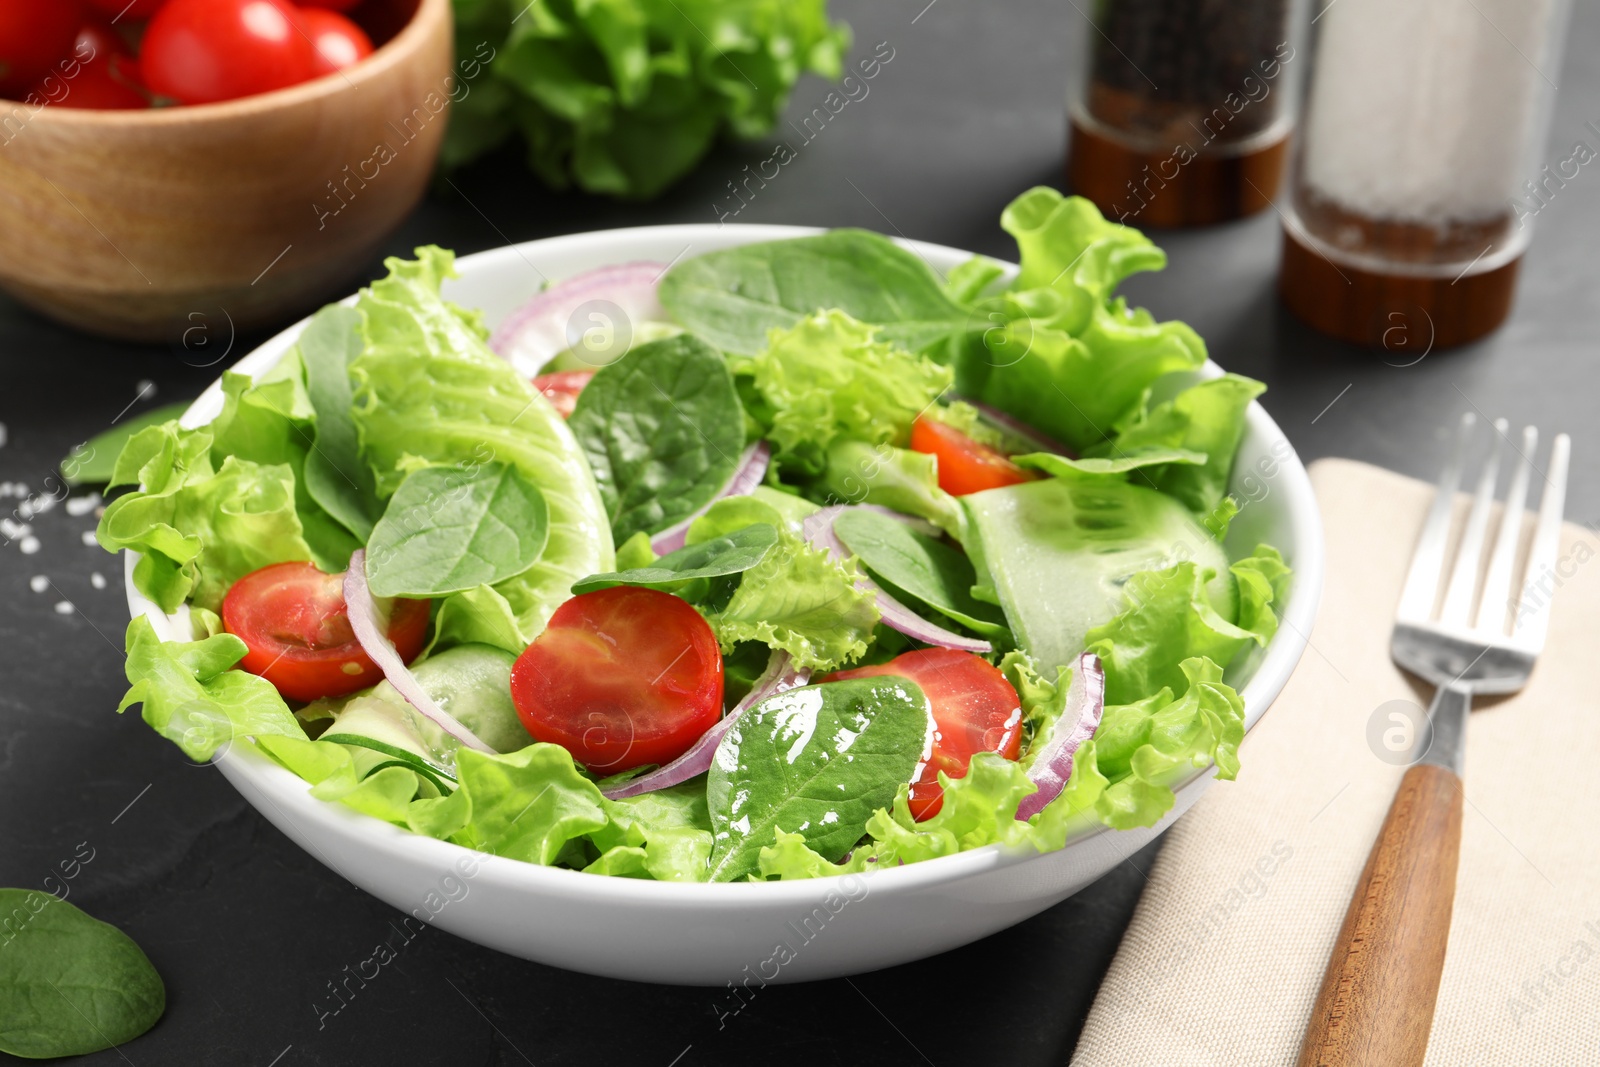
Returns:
<point x="834" y="563"/>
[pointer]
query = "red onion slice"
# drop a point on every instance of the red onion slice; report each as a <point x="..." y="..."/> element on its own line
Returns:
<point x="365" y="620"/>
<point x="818" y="530"/>
<point x="1052" y="764"/>
<point x="539" y="330"/>
<point x="1017" y="428"/>
<point x="746" y="476"/>
<point x="780" y="676"/>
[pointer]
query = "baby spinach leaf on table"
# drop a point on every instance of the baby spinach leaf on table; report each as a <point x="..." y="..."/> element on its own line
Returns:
<point x="817" y="761"/>
<point x="733" y="297"/>
<point x="93" y="462"/>
<point x="72" y="984"/>
<point x="732" y="553"/>
<point x="918" y="565"/>
<point x="336" y="476"/>
<point x="663" y="429"/>
<point x="448" y="529"/>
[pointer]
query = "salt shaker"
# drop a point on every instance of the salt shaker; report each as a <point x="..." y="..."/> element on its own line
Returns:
<point x="1418" y="168"/>
<point x="1183" y="109"/>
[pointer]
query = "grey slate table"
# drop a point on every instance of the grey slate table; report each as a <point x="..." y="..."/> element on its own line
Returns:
<point x="248" y="930"/>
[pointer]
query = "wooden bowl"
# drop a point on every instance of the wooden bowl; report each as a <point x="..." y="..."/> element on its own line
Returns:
<point x="141" y="224"/>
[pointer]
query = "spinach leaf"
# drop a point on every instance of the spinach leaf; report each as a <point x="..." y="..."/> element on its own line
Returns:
<point x="73" y="984"/>
<point x="917" y="565"/>
<point x="448" y="529"/>
<point x="733" y="297"/>
<point x="732" y="553"/>
<point x="663" y="429"/>
<point x="93" y="462"/>
<point x="336" y="476"/>
<point x="817" y="761"/>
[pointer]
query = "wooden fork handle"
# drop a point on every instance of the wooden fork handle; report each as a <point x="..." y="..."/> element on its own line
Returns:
<point x="1376" y="1002"/>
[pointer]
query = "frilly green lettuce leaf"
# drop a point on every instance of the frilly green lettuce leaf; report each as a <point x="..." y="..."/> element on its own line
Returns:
<point x="1208" y="419"/>
<point x="801" y="600"/>
<point x="199" y="528"/>
<point x="829" y="378"/>
<point x="192" y="697"/>
<point x="1171" y="618"/>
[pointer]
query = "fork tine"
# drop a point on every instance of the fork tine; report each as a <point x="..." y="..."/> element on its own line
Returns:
<point x="1427" y="562"/>
<point x="1533" y="609"/>
<point x="1469" y="557"/>
<point x="1497" y="583"/>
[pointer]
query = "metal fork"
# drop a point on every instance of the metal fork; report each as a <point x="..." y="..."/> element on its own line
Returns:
<point x="1377" y="997"/>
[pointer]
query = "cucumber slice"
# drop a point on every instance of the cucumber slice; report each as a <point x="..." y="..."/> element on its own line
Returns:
<point x="471" y="682"/>
<point x="1058" y="552"/>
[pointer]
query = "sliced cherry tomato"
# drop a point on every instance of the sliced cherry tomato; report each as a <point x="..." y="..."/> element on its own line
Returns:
<point x="107" y="78"/>
<point x="620" y="678"/>
<point x="294" y="620"/>
<point x="338" y="42"/>
<point x="34" y="36"/>
<point x="974" y="710"/>
<point x="202" y="51"/>
<point x="965" y="466"/>
<point x="127" y="10"/>
<point x="562" y="387"/>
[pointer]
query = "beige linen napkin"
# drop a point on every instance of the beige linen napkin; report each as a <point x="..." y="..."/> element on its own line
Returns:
<point x="1226" y="950"/>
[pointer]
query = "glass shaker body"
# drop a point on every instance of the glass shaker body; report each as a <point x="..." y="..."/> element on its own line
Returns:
<point x="1418" y="168"/>
<point x="1183" y="108"/>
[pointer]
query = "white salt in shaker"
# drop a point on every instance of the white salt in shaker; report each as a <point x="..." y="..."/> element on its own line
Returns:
<point x="1415" y="179"/>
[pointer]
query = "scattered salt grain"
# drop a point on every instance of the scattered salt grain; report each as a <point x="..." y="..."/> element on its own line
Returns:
<point x="82" y="505"/>
<point x="13" y="529"/>
<point x="38" y="583"/>
<point x="88" y="538"/>
<point x="63" y="607"/>
<point x="29" y="545"/>
<point x="97" y="580"/>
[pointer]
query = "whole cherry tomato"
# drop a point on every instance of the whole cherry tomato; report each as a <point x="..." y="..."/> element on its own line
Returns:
<point x="338" y="42"/>
<point x="120" y="11"/>
<point x="106" y="77"/>
<point x="34" y="36"/>
<point x="203" y="51"/>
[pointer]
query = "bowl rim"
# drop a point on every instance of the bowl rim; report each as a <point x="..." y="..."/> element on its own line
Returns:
<point x="286" y="791"/>
<point x="397" y="50"/>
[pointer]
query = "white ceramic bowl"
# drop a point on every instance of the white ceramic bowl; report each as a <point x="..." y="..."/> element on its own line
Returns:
<point x="773" y="932"/>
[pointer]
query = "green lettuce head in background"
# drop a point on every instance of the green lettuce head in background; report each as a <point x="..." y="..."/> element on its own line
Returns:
<point x="624" y="97"/>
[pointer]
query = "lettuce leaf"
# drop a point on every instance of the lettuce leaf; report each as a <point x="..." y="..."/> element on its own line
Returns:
<point x="898" y="478"/>
<point x="1063" y="356"/>
<point x="429" y="391"/>
<point x="623" y="97"/>
<point x="1207" y="418"/>
<point x="803" y="601"/>
<point x="829" y="378"/>
<point x="1171" y="618"/>
<point x="192" y="697"/>
<point x="199" y="528"/>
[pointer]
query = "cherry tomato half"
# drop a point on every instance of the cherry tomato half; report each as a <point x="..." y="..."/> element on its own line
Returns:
<point x="127" y="10"/>
<point x="107" y="77"/>
<point x="974" y="710"/>
<point x="620" y="678"/>
<point x="202" y="51"/>
<point x="294" y="620"/>
<point x="337" y="42"/>
<point x="34" y="36"/>
<point x="562" y="387"/>
<point x="965" y="466"/>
